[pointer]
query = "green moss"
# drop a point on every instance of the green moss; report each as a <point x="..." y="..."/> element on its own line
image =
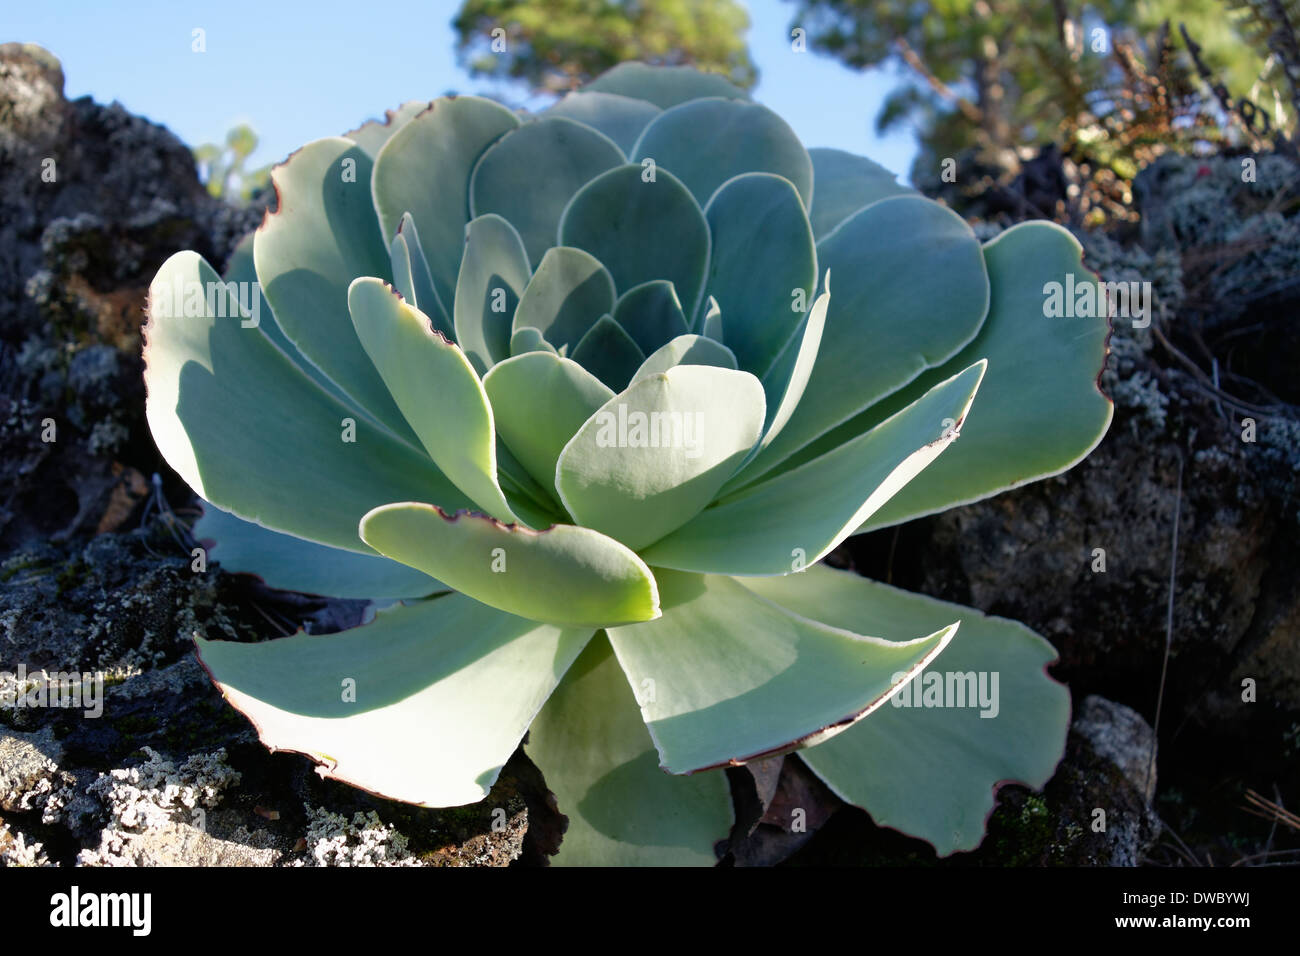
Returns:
<point x="19" y="563"/>
<point x="70" y="575"/>
<point x="1026" y="835"/>
<point x="133" y="725"/>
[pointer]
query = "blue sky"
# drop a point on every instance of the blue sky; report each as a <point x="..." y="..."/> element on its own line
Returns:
<point x="297" y="71"/>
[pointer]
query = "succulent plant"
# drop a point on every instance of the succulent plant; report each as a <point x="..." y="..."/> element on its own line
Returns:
<point x="571" y="396"/>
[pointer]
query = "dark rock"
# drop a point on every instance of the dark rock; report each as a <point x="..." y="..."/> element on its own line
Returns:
<point x="789" y="804"/>
<point x="92" y="201"/>
<point x="1118" y="734"/>
<point x="1089" y="814"/>
<point x="28" y="765"/>
<point x="124" y="607"/>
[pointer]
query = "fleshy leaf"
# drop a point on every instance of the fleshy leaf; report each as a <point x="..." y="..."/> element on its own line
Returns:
<point x="292" y="564"/>
<point x="322" y="236"/>
<point x="956" y="756"/>
<point x="711" y="325"/>
<point x="425" y="704"/>
<point x="1040" y="411"/>
<point x="241" y="269"/>
<point x="763" y="269"/>
<point x="785" y="383"/>
<point x="910" y="292"/>
<point x="736" y="677"/>
<point x="424" y="170"/>
<point x="843" y="183"/>
<point x="641" y="229"/>
<point x="686" y="350"/>
<point x="412" y="268"/>
<point x="403" y="281"/>
<point x="707" y="141"/>
<point x="527" y="339"/>
<point x="609" y="353"/>
<point x="529" y="175"/>
<point x="795" y="519"/>
<point x="600" y="762"/>
<point x="537" y="431"/>
<point x="373" y="134"/>
<point x="216" y="399"/>
<point x="535" y="508"/>
<point x="435" y="387"/>
<point x="664" y="86"/>
<point x="651" y="314"/>
<point x="493" y="274"/>
<point x="566" y="575"/>
<point x="567" y="294"/>
<point x="654" y="456"/>
<point x="621" y="118"/>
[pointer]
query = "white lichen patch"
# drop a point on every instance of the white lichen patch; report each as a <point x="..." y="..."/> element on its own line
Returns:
<point x="13" y="690"/>
<point x="365" y="841"/>
<point x="107" y="437"/>
<point x="30" y="778"/>
<point x="1141" y="393"/>
<point x="16" y="851"/>
<point x="157" y="791"/>
<point x="51" y="794"/>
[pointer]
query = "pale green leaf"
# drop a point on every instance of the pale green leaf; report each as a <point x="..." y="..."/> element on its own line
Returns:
<point x="763" y="269"/>
<point x="795" y="519"/>
<point x="240" y="268"/>
<point x="785" y="383"/>
<point x="651" y="313"/>
<point x="527" y="339"/>
<point x="733" y="677"/>
<point x="565" y="575"/>
<point x="322" y="236"/>
<point x="706" y="142"/>
<point x="566" y="295"/>
<point x="436" y="388"/>
<point x="655" y="455"/>
<point x="536" y="431"/>
<point x="424" y="170"/>
<point x="373" y="134"/>
<point x="292" y="564"/>
<point x="1040" y="410"/>
<point x="424" y="705"/>
<point x="252" y="434"/>
<point x="910" y="292"/>
<point x="621" y="118"/>
<point x="711" y="321"/>
<point x="600" y="762"/>
<point x="686" y="350"/>
<point x="493" y="274"/>
<point x="529" y="175"/>
<point x="641" y="229"/>
<point x="412" y="268"/>
<point x="608" y="352"/>
<point x="843" y="183"/>
<point x="664" y="86"/>
<point x="955" y="756"/>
